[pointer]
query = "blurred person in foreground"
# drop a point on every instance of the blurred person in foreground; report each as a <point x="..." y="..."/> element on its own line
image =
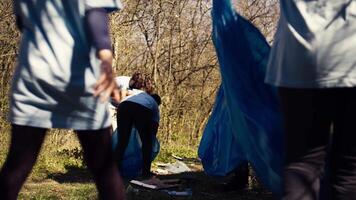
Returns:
<point x="314" y="65"/>
<point x="63" y="79"/>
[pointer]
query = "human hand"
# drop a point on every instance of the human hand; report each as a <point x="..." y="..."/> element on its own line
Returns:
<point x="116" y="96"/>
<point x="106" y="85"/>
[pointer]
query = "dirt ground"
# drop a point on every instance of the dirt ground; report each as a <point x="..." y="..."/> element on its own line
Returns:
<point x="202" y="187"/>
<point x="76" y="184"/>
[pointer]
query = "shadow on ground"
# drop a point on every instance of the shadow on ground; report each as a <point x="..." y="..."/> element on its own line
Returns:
<point x="202" y="186"/>
<point x="73" y="174"/>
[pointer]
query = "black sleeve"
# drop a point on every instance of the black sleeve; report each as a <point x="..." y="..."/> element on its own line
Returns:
<point x="97" y="23"/>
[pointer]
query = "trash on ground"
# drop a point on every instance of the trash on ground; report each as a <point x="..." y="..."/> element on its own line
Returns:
<point x="161" y="171"/>
<point x="185" y="192"/>
<point x="142" y="184"/>
<point x="175" y="168"/>
<point x="156" y="183"/>
<point x="190" y="160"/>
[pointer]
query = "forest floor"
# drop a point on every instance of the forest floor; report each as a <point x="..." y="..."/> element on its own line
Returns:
<point x="60" y="174"/>
<point x="76" y="183"/>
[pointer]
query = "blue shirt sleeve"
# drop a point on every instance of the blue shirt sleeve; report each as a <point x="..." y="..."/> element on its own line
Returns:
<point x="97" y="23"/>
<point x="109" y="5"/>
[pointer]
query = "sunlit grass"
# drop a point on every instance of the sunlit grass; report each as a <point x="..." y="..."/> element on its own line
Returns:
<point x="60" y="172"/>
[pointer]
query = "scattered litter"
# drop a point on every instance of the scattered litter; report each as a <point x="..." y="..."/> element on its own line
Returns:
<point x="176" y="168"/>
<point x="142" y="184"/>
<point x="186" y="192"/>
<point x="164" y="185"/>
<point x="177" y="157"/>
<point x="161" y="171"/>
<point x="156" y="184"/>
<point x="190" y="160"/>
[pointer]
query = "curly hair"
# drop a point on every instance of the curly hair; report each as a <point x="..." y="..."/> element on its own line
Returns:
<point x="141" y="82"/>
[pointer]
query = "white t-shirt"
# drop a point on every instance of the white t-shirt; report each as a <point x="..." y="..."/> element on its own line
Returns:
<point x="314" y="45"/>
<point x="123" y="82"/>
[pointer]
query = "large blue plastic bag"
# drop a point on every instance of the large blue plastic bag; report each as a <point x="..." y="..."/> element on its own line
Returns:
<point x="131" y="164"/>
<point x="218" y="149"/>
<point x="252" y="106"/>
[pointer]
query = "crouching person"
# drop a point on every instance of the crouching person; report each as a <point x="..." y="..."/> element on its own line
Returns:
<point x="138" y="111"/>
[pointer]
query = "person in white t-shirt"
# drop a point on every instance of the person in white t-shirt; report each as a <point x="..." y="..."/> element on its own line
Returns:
<point x="122" y="83"/>
<point x="313" y="64"/>
<point x="63" y="79"/>
<point x="138" y="108"/>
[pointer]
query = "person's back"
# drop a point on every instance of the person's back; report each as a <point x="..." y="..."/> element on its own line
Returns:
<point x="55" y="41"/>
<point x="313" y="46"/>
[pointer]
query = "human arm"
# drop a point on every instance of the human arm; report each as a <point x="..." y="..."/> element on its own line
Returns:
<point x="97" y="25"/>
<point x="122" y="83"/>
<point x="117" y="97"/>
<point x="106" y="86"/>
<point x="124" y="93"/>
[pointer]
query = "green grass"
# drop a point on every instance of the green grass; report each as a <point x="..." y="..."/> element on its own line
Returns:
<point x="203" y="187"/>
<point x="167" y="152"/>
<point x="50" y="189"/>
<point x="60" y="173"/>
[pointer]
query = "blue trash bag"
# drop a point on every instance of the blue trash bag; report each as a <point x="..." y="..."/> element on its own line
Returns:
<point x="218" y="149"/>
<point x="252" y="106"/>
<point x="131" y="165"/>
